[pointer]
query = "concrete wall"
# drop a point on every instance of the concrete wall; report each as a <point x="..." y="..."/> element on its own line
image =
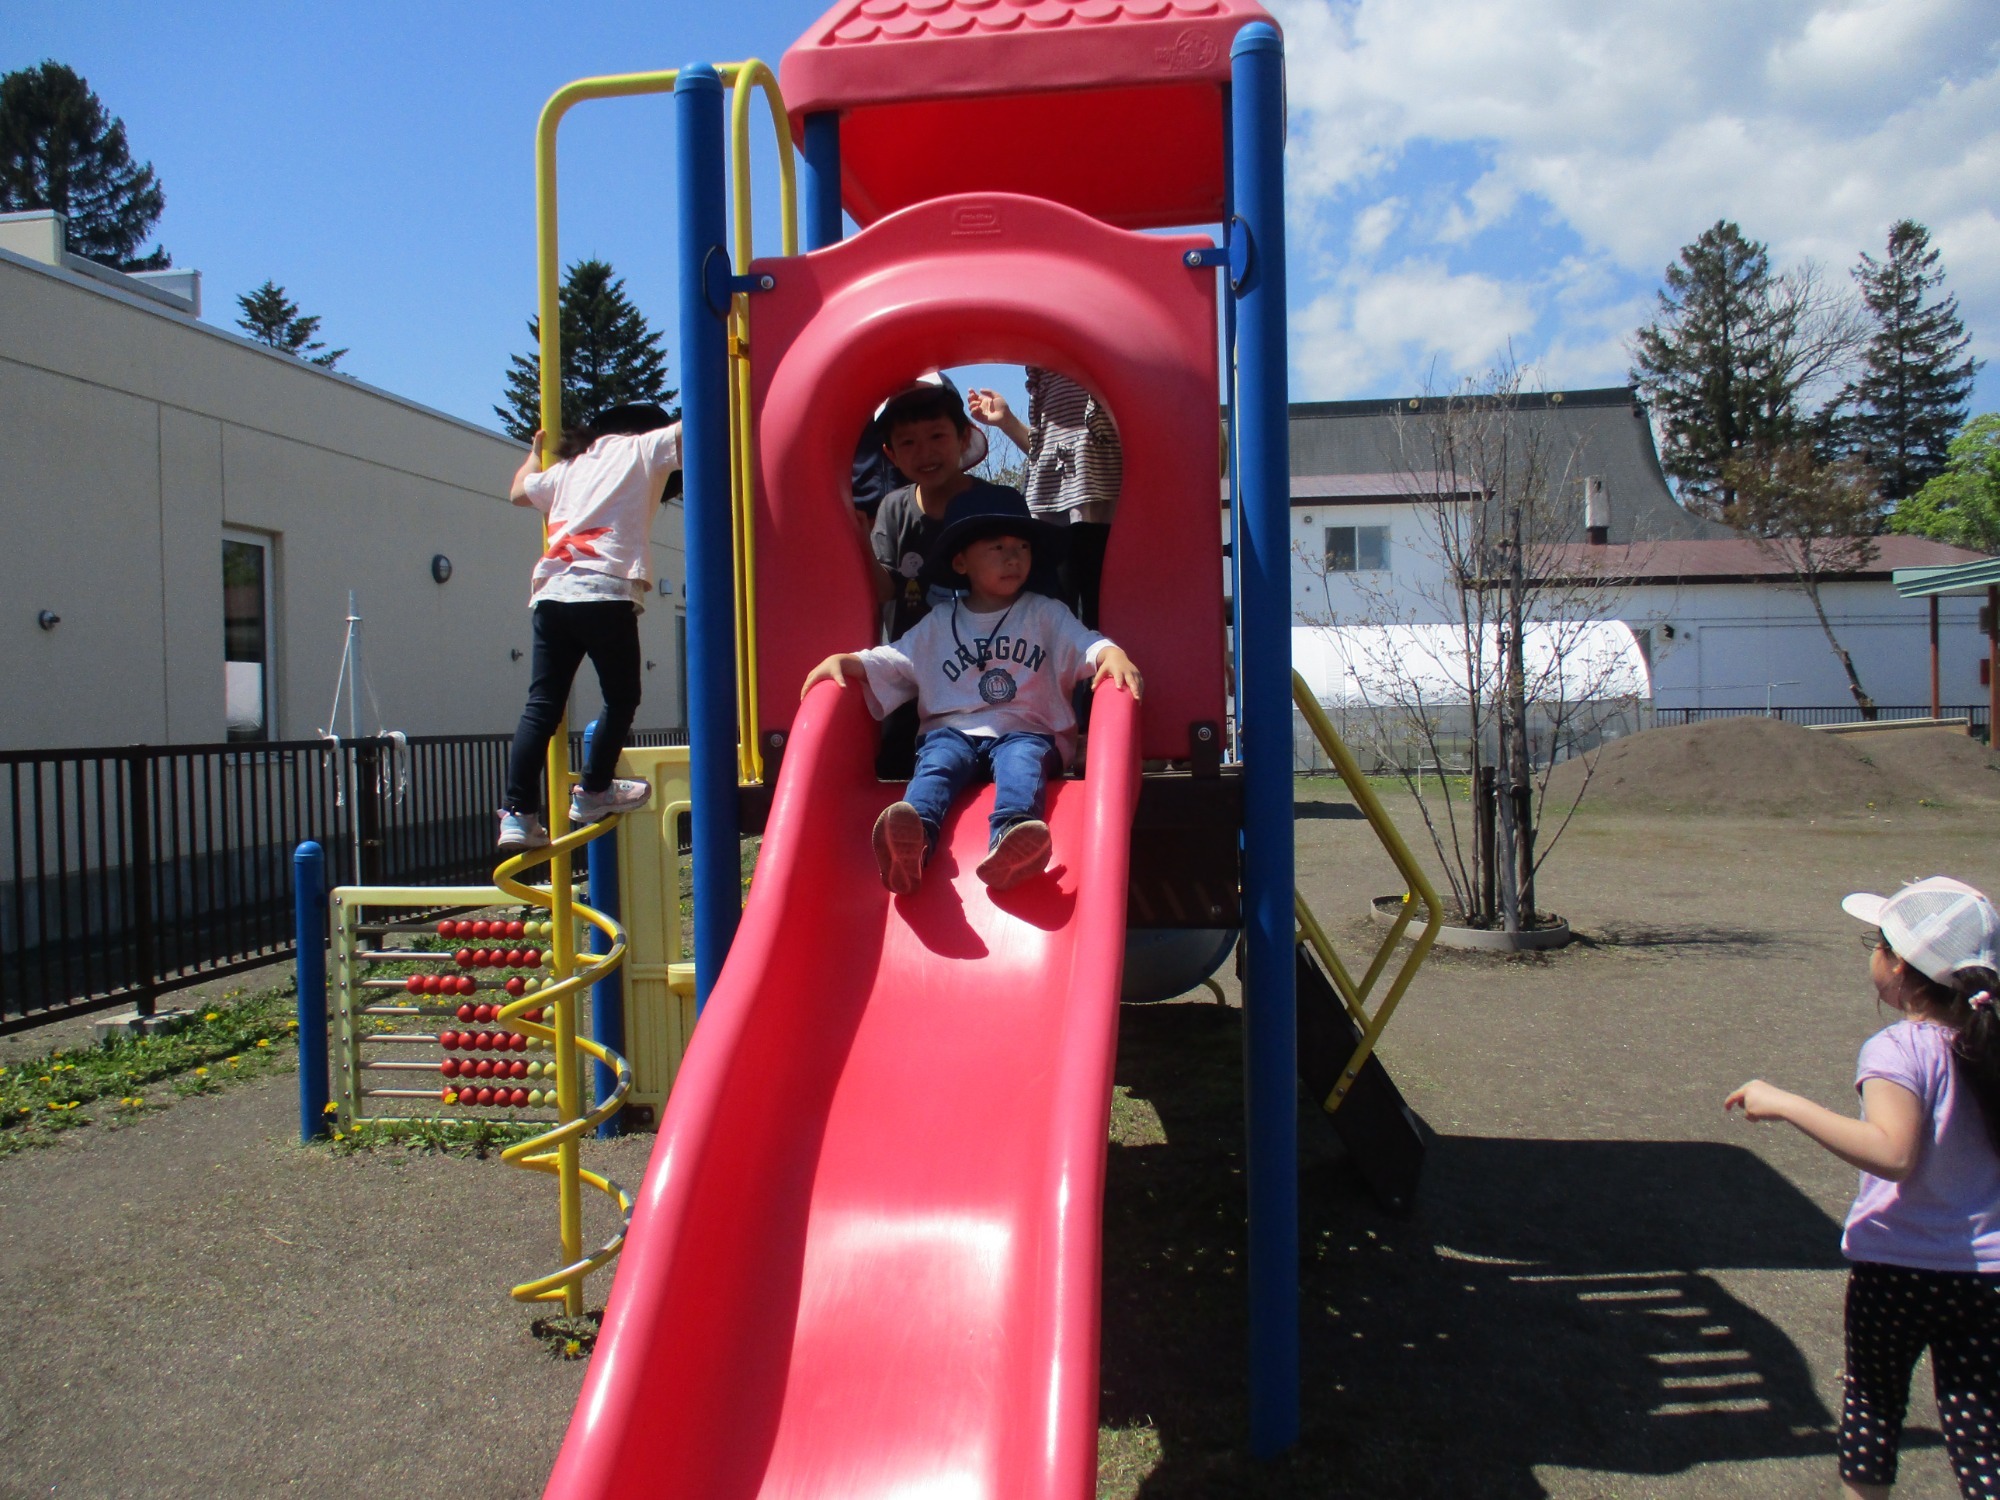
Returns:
<point x="137" y="435"/>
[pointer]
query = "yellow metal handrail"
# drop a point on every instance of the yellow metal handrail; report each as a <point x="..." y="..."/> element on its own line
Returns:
<point x="744" y="79"/>
<point x="1354" y="996"/>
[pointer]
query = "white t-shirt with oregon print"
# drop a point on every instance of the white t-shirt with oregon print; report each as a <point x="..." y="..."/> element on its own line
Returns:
<point x="988" y="674"/>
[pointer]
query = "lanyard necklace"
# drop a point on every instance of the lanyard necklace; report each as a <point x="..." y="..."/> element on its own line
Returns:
<point x="996" y="686"/>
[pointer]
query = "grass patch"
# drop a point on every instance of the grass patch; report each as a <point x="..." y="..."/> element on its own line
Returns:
<point x="117" y="1083"/>
<point x="566" y="1337"/>
<point x="474" y="1138"/>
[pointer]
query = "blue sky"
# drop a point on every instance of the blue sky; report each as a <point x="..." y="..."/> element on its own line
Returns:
<point x="1511" y="177"/>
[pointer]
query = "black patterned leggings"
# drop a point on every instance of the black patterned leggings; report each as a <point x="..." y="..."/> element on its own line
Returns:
<point x="1893" y="1313"/>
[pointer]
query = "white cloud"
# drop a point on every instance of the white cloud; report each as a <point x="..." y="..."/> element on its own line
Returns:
<point x="1414" y="313"/>
<point x="1812" y="123"/>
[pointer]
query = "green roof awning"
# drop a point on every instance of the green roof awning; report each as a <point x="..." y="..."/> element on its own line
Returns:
<point x="1959" y="578"/>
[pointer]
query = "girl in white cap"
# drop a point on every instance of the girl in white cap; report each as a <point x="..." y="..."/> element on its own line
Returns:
<point x="1923" y="1235"/>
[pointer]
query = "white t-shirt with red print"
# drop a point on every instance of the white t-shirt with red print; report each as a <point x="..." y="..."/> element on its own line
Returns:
<point x="600" y="507"/>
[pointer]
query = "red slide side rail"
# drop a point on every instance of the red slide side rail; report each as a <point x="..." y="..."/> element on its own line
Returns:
<point x="866" y="1259"/>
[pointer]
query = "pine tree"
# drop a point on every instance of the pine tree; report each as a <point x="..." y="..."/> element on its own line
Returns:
<point x="1915" y="381"/>
<point x="609" y="355"/>
<point x="1729" y="358"/>
<point x="60" y="150"/>
<point x="270" y="317"/>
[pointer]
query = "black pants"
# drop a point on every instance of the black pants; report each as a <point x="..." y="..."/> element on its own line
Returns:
<point x="607" y="633"/>
<point x="1083" y="567"/>
<point x="1893" y="1313"/>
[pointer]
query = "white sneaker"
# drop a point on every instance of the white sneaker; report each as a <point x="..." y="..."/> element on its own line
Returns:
<point x="619" y="797"/>
<point x="521" y="830"/>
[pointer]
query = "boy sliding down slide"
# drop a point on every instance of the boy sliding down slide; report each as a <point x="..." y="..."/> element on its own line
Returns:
<point x="992" y="674"/>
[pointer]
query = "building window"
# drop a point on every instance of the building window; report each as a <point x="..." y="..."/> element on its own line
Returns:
<point x="246" y="637"/>
<point x="1357" y="549"/>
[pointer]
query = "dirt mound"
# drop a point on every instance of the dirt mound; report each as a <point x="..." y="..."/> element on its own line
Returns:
<point x="1759" y="765"/>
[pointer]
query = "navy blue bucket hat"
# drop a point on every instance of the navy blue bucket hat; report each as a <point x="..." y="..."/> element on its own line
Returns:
<point x="989" y="510"/>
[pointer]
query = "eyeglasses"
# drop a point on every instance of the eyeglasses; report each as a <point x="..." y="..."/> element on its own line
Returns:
<point x="1873" y="940"/>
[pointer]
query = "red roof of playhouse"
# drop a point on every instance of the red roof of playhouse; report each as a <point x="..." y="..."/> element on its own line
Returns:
<point x="1110" y="106"/>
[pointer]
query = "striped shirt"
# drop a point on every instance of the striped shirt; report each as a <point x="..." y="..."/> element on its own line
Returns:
<point x="1075" y="465"/>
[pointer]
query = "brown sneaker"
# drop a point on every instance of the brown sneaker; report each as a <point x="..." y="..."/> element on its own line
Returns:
<point x="901" y="849"/>
<point x="1021" y="854"/>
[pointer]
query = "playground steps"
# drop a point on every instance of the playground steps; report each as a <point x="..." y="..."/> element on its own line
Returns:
<point x="1384" y="1137"/>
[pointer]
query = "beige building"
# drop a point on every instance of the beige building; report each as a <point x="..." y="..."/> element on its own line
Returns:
<point x="150" y="453"/>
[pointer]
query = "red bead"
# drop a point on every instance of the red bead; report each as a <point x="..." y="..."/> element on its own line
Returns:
<point x="518" y="1042"/>
<point x="448" y="1040"/>
<point x="519" y="1099"/>
<point x="414" y="985"/>
<point x="482" y="1012"/>
<point x="482" y="929"/>
<point x="517" y="1070"/>
<point x="483" y="1068"/>
<point x="449" y="1067"/>
<point x="484" y="1096"/>
<point x="463" y="958"/>
<point x="444" y="928"/>
<point x="517" y="930"/>
<point x="464" y="1013"/>
<point x="517" y="986"/>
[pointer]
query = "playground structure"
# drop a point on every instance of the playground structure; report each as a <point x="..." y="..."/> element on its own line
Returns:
<point x="865" y="1259"/>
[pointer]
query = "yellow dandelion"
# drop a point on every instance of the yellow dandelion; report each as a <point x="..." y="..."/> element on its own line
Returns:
<point x="573" y="1348"/>
<point x="214" y="1015"/>
<point x="201" y="1072"/>
<point x="263" y="1041"/>
<point x="331" y="1109"/>
<point x="232" y="1061"/>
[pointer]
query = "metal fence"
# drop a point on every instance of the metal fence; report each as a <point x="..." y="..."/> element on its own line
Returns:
<point x="130" y="872"/>
<point x="1840" y="713"/>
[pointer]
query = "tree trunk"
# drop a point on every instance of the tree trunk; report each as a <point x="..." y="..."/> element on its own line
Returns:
<point x="1861" y="698"/>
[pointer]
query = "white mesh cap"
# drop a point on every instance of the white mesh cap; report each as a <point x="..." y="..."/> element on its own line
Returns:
<point x="1938" y="926"/>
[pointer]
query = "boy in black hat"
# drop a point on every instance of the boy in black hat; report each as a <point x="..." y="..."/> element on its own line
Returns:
<point x="587" y="592"/>
<point x="991" y="672"/>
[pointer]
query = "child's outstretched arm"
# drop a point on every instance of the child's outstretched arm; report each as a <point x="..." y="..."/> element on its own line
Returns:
<point x="991" y="408"/>
<point x="532" y="464"/>
<point x="1113" y="663"/>
<point x="842" y="668"/>
<point x="1885" y="1144"/>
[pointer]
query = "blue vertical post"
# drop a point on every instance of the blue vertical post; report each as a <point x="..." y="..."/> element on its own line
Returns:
<point x="1264" y="709"/>
<point x="822" y="154"/>
<point x="711" y="610"/>
<point x="309" y="928"/>
<point x="607" y="996"/>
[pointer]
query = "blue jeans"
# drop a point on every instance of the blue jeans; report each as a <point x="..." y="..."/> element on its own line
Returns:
<point x="1019" y="766"/>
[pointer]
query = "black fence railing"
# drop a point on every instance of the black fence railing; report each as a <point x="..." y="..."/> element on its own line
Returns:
<point x="129" y="872"/>
<point x="1839" y="713"/>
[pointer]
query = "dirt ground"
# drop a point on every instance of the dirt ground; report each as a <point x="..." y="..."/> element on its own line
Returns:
<point x="1607" y="1289"/>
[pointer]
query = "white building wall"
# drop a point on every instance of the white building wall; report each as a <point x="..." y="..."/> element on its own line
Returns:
<point x="1709" y="645"/>
<point x="1731" y="643"/>
<point x="137" y="435"/>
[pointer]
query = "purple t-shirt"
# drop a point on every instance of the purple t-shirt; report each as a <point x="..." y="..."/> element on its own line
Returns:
<point x="1945" y="1216"/>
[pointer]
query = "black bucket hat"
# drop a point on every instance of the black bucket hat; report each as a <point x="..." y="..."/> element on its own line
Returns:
<point x="989" y="510"/>
<point x="631" y="418"/>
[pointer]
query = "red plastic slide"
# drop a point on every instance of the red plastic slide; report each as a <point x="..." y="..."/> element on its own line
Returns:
<point x="866" y="1258"/>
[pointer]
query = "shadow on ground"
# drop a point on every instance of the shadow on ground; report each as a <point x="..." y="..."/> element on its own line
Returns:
<point x="1550" y="1303"/>
<point x="1337" y="811"/>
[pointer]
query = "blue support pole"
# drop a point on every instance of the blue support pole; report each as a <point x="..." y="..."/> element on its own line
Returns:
<point x="607" y="996"/>
<point x="822" y="154"/>
<point x="1264" y="706"/>
<point x="711" y="610"/>
<point x="309" y="928"/>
